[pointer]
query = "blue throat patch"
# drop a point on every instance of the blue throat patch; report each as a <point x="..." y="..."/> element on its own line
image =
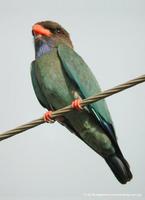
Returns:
<point x="42" y="47"/>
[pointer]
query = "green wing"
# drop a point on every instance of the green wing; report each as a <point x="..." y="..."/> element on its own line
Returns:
<point x="39" y="93"/>
<point x="87" y="85"/>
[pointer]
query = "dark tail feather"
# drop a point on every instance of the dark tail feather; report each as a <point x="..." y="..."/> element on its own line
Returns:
<point x="120" y="168"/>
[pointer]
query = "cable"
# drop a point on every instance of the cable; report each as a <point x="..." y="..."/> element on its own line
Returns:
<point x="69" y="108"/>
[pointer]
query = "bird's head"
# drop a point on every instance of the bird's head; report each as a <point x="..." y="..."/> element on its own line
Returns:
<point x="51" y="32"/>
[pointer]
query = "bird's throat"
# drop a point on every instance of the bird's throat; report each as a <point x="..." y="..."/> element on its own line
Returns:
<point x="42" y="47"/>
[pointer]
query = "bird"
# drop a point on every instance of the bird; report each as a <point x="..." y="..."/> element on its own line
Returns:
<point x="61" y="77"/>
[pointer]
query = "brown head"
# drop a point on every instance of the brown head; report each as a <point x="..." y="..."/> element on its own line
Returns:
<point x="51" y="31"/>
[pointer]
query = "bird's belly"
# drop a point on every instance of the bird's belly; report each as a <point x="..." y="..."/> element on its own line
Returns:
<point x="91" y="132"/>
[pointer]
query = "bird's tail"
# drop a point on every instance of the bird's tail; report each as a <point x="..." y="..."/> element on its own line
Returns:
<point x="120" y="168"/>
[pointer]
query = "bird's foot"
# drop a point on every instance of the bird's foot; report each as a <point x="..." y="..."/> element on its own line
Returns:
<point x="48" y="117"/>
<point x="76" y="104"/>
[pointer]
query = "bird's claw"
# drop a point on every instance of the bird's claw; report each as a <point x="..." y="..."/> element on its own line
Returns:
<point x="76" y="104"/>
<point x="48" y="117"/>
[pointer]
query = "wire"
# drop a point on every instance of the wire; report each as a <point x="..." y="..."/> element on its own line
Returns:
<point x="69" y="108"/>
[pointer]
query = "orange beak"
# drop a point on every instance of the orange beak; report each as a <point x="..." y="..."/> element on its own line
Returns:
<point x="40" y="30"/>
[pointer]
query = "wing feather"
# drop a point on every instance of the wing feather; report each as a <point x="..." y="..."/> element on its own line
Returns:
<point x="87" y="85"/>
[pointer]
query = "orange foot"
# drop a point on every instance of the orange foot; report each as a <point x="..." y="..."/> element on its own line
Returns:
<point x="48" y="117"/>
<point x="76" y="104"/>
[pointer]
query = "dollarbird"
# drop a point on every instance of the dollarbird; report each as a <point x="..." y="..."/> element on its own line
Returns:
<point x="61" y="77"/>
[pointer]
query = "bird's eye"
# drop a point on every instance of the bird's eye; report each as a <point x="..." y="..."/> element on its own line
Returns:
<point x="57" y="30"/>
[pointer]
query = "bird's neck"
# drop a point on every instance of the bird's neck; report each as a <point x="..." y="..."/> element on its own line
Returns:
<point x="42" y="47"/>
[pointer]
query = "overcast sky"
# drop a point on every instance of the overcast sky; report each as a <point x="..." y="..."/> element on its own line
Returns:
<point x="48" y="162"/>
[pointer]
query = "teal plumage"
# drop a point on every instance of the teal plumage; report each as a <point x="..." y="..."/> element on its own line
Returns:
<point x="59" y="75"/>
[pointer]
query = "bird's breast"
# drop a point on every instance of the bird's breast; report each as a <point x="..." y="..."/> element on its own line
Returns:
<point x="53" y="80"/>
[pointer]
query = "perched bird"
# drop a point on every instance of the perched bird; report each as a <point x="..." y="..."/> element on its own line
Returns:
<point x="59" y="77"/>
